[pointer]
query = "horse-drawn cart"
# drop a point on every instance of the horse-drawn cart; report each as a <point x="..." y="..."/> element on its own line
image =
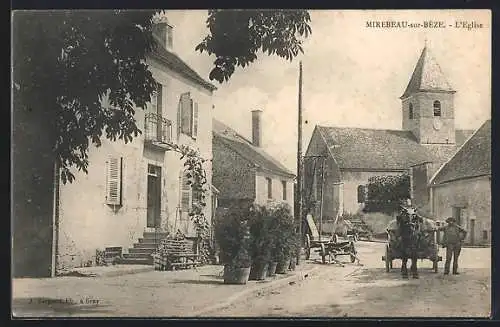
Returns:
<point x="328" y="246"/>
<point x="428" y="247"/>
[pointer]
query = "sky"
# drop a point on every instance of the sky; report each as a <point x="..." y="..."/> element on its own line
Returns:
<point x="353" y="75"/>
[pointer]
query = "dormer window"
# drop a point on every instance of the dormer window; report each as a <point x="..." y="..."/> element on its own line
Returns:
<point x="411" y="111"/>
<point x="437" y="109"/>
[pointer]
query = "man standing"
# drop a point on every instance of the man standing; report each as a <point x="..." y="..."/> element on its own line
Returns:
<point x="453" y="238"/>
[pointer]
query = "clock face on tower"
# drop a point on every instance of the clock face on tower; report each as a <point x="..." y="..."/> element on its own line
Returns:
<point x="437" y="124"/>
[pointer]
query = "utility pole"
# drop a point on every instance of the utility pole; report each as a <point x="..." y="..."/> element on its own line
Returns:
<point x="299" y="162"/>
<point x="322" y="198"/>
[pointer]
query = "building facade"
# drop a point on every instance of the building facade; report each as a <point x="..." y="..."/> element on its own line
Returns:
<point x="461" y="188"/>
<point x="140" y="187"/>
<point x="244" y="173"/>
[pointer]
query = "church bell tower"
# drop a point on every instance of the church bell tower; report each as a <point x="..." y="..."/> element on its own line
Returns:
<point x="427" y="103"/>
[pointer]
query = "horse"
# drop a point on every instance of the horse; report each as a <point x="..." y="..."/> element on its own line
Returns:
<point x="409" y="230"/>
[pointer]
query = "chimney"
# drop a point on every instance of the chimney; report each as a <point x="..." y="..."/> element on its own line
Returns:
<point x="256" y="128"/>
<point x="163" y="30"/>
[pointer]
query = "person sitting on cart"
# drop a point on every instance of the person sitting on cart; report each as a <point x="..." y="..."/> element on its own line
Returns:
<point x="453" y="237"/>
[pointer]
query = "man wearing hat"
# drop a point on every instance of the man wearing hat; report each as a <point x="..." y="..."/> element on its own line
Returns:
<point x="453" y="237"/>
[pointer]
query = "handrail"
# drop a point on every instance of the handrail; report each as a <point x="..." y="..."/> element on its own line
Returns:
<point x="157" y="128"/>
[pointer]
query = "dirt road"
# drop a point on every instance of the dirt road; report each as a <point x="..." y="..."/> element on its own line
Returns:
<point x="371" y="292"/>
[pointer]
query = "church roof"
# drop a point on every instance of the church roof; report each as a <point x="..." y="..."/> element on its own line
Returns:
<point x="473" y="159"/>
<point x="427" y="76"/>
<point x="239" y="144"/>
<point x="381" y="149"/>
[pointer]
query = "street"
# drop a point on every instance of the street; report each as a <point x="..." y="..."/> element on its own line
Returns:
<point x="371" y="292"/>
<point x="320" y="290"/>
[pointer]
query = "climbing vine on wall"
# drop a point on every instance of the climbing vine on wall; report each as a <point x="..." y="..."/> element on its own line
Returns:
<point x="197" y="178"/>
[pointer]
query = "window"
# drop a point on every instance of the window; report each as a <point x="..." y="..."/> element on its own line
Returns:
<point x="188" y="116"/>
<point x="485" y="235"/>
<point x="156" y="100"/>
<point x="283" y="183"/>
<point x="114" y="181"/>
<point x="269" y="188"/>
<point x="411" y="111"/>
<point x="361" y="194"/>
<point x="186" y="196"/>
<point x="437" y="109"/>
<point x="457" y="213"/>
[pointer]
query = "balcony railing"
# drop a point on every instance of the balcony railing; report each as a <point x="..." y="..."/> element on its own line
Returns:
<point x="157" y="129"/>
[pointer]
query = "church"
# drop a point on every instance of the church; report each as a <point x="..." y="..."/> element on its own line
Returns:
<point x="345" y="158"/>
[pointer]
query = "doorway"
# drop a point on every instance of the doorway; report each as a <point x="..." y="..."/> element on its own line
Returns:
<point x="472" y="231"/>
<point x="154" y="197"/>
<point x="458" y="213"/>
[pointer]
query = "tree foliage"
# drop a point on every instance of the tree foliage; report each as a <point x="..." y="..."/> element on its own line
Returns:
<point x="65" y="62"/>
<point x="385" y="193"/>
<point x="237" y="35"/>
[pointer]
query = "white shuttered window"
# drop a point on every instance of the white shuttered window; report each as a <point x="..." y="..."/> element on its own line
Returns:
<point x="186" y="196"/>
<point x="188" y="115"/>
<point x="114" y="181"/>
<point x="185" y="114"/>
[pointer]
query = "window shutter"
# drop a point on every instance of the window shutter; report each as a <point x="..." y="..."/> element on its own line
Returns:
<point x="186" y="195"/>
<point x="114" y="181"/>
<point x="185" y="114"/>
<point x="195" y="119"/>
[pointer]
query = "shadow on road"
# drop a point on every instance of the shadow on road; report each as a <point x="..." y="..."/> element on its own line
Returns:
<point x="198" y="281"/>
<point x="218" y="276"/>
<point x="373" y="275"/>
<point x="49" y="306"/>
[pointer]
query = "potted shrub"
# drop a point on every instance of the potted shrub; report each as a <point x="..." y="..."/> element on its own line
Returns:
<point x="233" y="237"/>
<point x="261" y="242"/>
<point x="282" y="230"/>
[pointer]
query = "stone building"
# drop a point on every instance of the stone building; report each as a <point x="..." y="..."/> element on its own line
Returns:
<point x="350" y="156"/>
<point x="134" y="191"/>
<point x="461" y="188"/>
<point x="244" y="172"/>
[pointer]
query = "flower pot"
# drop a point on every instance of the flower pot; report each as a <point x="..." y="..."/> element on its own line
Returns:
<point x="236" y="275"/>
<point x="259" y="271"/>
<point x="282" y="266"/>
<point x="293" y="263"/>
<point x="271" y="271"/>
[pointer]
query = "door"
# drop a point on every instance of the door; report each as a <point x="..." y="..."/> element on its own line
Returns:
<point x="457" y="213"/>
<point x="154" y="197"/>
<point x="472" y="231"/>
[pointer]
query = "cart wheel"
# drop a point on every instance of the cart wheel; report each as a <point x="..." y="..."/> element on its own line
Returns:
<point x="388" y="260"/>
<point x="323" y="253"/>
<point x="353" y="251"/>
<point x="308" y="247"/>
<point x="335" y="238"/>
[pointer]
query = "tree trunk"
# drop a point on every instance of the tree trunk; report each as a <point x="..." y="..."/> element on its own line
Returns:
<point x="33" y="193"/>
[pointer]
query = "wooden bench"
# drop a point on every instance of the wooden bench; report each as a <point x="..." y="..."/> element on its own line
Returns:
<point x="175" y="254"/>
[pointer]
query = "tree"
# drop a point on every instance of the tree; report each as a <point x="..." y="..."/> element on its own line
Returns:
<point x="66" y="61"/>
<point x="237" y="35"/>
<point x="385" y="193"/>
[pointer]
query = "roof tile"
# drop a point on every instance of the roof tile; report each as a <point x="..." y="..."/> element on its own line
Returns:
<point x="427" y="76"/>
<point x="358" y="148"/>
<point x="239" y="144"/>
